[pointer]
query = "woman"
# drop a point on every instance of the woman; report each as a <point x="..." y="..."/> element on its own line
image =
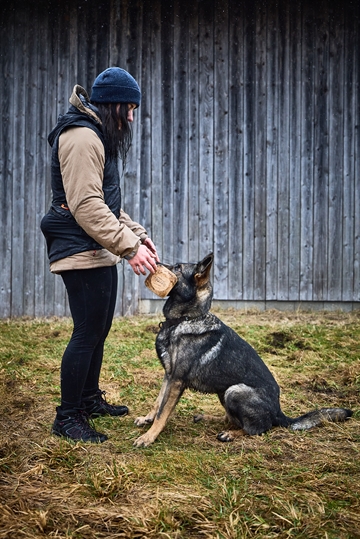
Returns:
<point x="87" y="233"/>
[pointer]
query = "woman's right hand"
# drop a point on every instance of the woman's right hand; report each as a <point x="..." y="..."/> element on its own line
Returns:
<point x="144" y="258"/>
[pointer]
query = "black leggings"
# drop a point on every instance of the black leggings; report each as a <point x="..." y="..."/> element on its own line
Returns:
<point x="92" y="297"/>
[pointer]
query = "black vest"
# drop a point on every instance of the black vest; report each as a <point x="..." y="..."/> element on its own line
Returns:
<point x="64" y="237"/>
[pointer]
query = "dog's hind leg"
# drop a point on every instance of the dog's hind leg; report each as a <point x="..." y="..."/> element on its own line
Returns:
<point x="169" y="396"/>
<point x="248" y="408"/>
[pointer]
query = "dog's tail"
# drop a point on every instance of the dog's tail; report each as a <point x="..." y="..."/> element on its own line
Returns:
<point x="318" y="417"/>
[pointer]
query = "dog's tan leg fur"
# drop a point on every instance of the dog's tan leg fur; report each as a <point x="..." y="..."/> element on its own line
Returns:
<point x="149" y="418"/>
<point x="166" y="402"/>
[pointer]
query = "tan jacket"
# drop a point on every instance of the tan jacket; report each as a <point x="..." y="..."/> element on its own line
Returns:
<point x="82" y="159"/>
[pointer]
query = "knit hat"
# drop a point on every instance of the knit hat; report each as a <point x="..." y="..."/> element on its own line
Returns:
<point x="115" y="85"/>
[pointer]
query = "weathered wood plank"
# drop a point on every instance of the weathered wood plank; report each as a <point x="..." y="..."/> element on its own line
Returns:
<point x="336" y="152"/>
<point x="138" y="166"/>
<point x="194" y="120"/>
<point x="48" y="115"/>
<point x="206" y="127"/>
<point x="102" y="24"/>
<point x="222" y="240"/>
<point x="259" y="178"/>
<point x="158" y="116"/>
<point x="18" y="175"/>
<point x="285" y="132"/>
<point x="65" y="84"/>
<point x="180" y="132"/>
<point x="349" y="209"/>
<point x="45" y="118"/>
<point x="356" y="129"/>
<point x="236" y="150"/>
<point x="307" y="171"/>
<point x="6" y="160"/>
<point x="167" y="31"/>
<point x="321" y="155"/>
<point x="249" y="151"/>
<point x="30" y="143"/>
<point x="271" y="148"/>
<point x="294" y="144"/>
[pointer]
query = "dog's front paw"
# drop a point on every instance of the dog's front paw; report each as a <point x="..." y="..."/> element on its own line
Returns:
<point x="198" y="417"/>
<point x="142" y="421"/>
<point x="143" y="441"/>
<point x="225" y="436"/>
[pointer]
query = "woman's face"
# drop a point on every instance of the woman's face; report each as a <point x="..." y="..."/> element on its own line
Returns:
<point x="131" y="107"/>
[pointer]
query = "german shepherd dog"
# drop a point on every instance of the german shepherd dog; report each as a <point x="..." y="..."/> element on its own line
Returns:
<point x="200" y="352"/>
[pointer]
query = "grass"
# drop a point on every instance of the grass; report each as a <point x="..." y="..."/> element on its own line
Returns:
<point x="187" y="484"/>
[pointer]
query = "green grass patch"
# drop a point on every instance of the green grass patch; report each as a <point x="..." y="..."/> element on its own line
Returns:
<point x="187" y="484"/>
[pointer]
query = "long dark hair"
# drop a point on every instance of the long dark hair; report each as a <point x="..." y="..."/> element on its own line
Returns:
<point x="116" y="129"/>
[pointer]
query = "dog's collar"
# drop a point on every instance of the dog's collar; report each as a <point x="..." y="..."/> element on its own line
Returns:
<point x="169" y="322"/>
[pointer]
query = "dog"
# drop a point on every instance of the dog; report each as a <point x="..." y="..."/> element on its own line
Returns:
<point x="198" y="351"/>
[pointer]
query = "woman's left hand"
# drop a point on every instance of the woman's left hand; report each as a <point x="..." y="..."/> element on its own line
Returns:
<point x="151" y="246"/>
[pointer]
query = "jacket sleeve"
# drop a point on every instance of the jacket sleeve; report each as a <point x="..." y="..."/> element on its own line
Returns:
<point x="82" y="159"/>
<point x="133" y="225"/>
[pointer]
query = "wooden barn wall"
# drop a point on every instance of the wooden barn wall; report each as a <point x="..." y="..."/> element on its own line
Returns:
<point x="246" y="142"/>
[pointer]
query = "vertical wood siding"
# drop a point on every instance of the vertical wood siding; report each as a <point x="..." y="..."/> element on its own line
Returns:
<point x="246" y="142"/>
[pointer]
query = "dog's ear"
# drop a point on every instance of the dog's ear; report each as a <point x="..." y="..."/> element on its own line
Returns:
<point x="202" y="270"/>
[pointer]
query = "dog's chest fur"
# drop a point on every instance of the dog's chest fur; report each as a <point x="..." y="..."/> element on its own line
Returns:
<point x="188" y="348"/>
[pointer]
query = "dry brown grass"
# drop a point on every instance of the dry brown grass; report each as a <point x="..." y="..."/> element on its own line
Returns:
<point x="282" y="484"/>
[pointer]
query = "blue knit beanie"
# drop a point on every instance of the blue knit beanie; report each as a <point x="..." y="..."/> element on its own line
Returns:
<point x="115" y="85"/>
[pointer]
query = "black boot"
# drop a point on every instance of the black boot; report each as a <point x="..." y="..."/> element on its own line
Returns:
<point x="73" y="424"/>
<point x="96" y="406"/>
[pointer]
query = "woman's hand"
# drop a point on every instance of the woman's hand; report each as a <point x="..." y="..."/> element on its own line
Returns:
<point x="150" y="245"/>
<point x="144" y="258"/>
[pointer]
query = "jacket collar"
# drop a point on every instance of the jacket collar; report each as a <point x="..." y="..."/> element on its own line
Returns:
<point x="80" y="99"/>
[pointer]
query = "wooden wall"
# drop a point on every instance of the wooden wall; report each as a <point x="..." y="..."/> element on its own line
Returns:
<point x="246" y="143"/>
